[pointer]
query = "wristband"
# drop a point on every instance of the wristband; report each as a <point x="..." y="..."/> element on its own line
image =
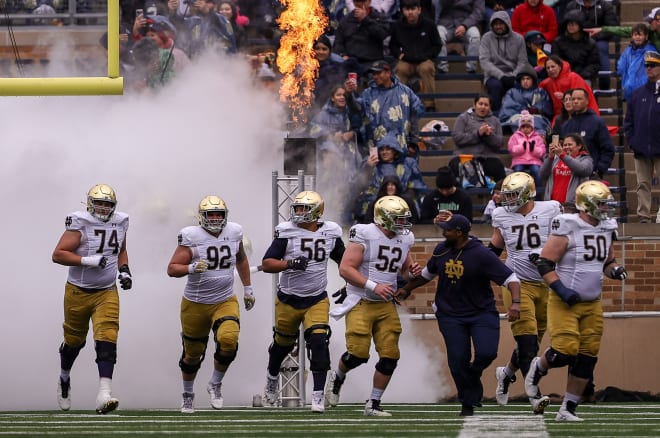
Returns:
<point x="370" y="285"/>
<point x="247" y="290"/>
<point x="124" y="268"/>
<point x="515" y="301"/>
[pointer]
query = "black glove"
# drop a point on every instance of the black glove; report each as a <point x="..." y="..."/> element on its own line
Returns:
<point x="531" y="145"/>
<point x="340" y="295"/>
<point x="619" y="273"/>
<point x="125" y="278"/>
<point x="508" y="81"/>
<point x="567" y="295"/>
<point x="299" y="263"/>
<point x="524" y="145"/>
<point x="533" y="257"/>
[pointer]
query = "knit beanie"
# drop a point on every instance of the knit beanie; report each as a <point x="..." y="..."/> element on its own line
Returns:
<point x="445" y="178"/>
<point x="525" y="119"/>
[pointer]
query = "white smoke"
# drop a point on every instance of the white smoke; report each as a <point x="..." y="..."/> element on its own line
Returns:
<point x="212" y="131"/>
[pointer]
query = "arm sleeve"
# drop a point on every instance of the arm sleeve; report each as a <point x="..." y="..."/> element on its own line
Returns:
<point x="338" y="251"/>
<point x="276" y="250"/>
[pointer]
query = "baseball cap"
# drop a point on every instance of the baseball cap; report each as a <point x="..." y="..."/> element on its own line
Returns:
<point x="535" y="37"/>
<point x="655" y="13"/>
<point x="651" y="57"/>
<point x="457" y="222"/>
<point x="380" y="66"/>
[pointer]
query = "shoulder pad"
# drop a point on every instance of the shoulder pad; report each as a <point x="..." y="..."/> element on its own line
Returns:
<point x="332" y="229"/>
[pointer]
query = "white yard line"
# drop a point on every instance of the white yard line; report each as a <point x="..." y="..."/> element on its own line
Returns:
<point x="505" y="426"/>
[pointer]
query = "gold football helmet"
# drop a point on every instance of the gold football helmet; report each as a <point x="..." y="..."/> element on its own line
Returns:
<point x="212" y="204"/>
<point x="595" y="199"/>
<point x="101" y="193"/>
<point x="393" y="214"/>
<point x="312" y="207"/>
<point x="517" y="189"/>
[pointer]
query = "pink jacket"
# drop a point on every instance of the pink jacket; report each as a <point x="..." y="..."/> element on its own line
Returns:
<point x="519" y="148"/>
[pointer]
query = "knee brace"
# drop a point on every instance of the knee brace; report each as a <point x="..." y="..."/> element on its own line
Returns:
<point x="227" y="339"/>
<point x="584" y="366"/>
<point x="68" y="355"/>
<point x="386" y="366"/>
<point x="527" y="347"/>
<point x="318" y="352"/>
<point x="187" y="367"/>
<point x="285" y="338"/>
<point x="224" y="359"/>
<point x="276" y="355"/>
<point x="352" y="361"/>
<point x="106" y="352"/>
<point x="556" y="359"/>
<point x="219" y="321"/>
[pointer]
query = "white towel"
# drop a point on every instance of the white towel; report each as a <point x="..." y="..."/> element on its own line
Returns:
<point x="350" y="302"/>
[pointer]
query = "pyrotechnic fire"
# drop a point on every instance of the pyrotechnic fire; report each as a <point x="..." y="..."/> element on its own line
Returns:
<point x="302" y="23"/>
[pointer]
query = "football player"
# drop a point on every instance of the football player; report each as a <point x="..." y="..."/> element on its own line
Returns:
<point x="207" y="254"/>
<point x="94" y="247"/>
<point x="465" y="305"/>
<point x="573" y="260"/>
<point x="300" y="251"/>
<point x="376" y="253"/>
<point x="522" y="226"/>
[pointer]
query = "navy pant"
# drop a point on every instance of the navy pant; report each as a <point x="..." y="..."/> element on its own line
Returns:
<point x="460" y="333"/>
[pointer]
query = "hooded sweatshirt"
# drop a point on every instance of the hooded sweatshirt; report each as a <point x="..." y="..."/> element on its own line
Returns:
<point x="541" y="18"/>
<point x="502" y="55"/>
<point x="582" y="53"/>
<point x="567" y="80"/>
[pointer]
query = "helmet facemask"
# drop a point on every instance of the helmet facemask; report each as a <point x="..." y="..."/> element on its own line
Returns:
<point x="312" y="207"/>
<point x="101" y="202"/>
<point x="517" y="189"/>
<point x="213" y="204"/>
<point x="393" y="214"/>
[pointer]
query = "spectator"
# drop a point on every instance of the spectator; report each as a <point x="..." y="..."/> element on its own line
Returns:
<point x="565" y="113"/>
<point x="478" y="132"/>
<point x="507" y="6"/>
<point x="459" y="21"/>
<point x="565" y="168"/>
<point x="360" y="36"/>
<point x="391" y="159"/>
<point x="204" y="29"/>
<point x="536" y="52"/>
<point x="631" y="62"/>
<point x="494" y="202"/>
<point x="447" y="197"/>
<point x="593" y="130"/>
<point x="229" y="10"/>
<point x="388" y="8"/>
<point x="502" y="55"/>
<point x="526" y="96"/>
<point x="626" y="31"/>
<point x="261" y="15"/>
<point x="332" y="71"/>
<point x="464" y="305"/>
<point x="415" y="43"/>
<point x="561" y="79"/>
<point x="534" y="15"/>
<point x="163" y="32"/>
<point x="641" y="126"/>
<point x="527" y="148"/>
<point x="597" y="13"/>
<point x="391" y="186"/>
<point x="150" y="68"/>
<point x="576" y="47"/>
<point x="388" y="106"/>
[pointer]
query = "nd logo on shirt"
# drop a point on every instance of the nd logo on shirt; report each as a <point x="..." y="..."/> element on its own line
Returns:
<point x="454" y="269"/>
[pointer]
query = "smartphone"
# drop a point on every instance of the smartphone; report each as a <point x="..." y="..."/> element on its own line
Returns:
<point x="352" y="77"/>
<point x="555" y="139"/>
<point x="139" y="12"/>
<point x="373" y="152"/>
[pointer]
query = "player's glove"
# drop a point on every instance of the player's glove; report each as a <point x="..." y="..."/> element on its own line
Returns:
<point x="198" y="267"/>
<point x="125" y="278"/>
<point x="340" y="295"/>
<point x="248" y="297"/>
<point x="95" y="261"/>
<point x="533" y="257"/>
<point x="619" y="273"/>
<point x="567" y="295"/>
<point x="298" y="264"/>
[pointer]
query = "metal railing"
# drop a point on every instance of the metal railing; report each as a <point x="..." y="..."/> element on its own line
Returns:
<point x="68" y="12"/>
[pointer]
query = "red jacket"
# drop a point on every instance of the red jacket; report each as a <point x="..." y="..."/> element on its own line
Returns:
<point x="541" y="18"/>
<point x="567" y="80"/>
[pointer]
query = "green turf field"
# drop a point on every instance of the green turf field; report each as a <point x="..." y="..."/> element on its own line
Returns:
<point x="515" y="420"/>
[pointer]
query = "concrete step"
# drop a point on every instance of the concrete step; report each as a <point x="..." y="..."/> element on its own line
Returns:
<point x="634" y="11"/>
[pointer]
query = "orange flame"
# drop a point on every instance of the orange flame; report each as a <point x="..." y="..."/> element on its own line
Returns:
<point x="302" y="23"/>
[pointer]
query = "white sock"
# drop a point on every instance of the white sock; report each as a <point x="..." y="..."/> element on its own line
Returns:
<point x="376" y="393"/>
<point x="508" y="371"/>
<point x="104" y="384"/>
<point x="340" y="374"/>
<point x="189" y="386"/>
<point x="216" y="377"/>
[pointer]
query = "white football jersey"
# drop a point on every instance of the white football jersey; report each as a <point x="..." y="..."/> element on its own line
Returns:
<point x="383" y="257"/>
<point x="217" y="284"/>
<point x="581" y="267"/>
<point x="524" y="235"/>
<point x="97" y="238"/>
<point x="316" y="246"/>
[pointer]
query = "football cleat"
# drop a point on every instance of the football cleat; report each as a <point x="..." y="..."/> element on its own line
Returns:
<point x="332" y="388"/>
<point x="393" y="214"/>
<point x="306" y="207"/>
<point x="271" y="392"/>
<point x="466" y="410"/>
<point x="187" y="403"/>
<point x="212" y="204"/>
<point x="532" y="378"/>
<point x="318" y="401"/>
<point x="539" y="404"/>
<point x="565" y="415"/>
<point x="595" y="199"/>
<point x="215" y="392"/>
<point x="105" y="402"/>
<point x="503" y="382"/>
<point x="101" y="202"/>
<point x="517" y="189"/>
<point x="373" y="409"/>
<point x="64" y="394"/>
